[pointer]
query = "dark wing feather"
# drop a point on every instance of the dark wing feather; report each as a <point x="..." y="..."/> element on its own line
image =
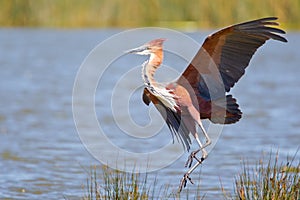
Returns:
<point x="172" y="119"/>
<point x="229" y="50"/>
<point x="175" y="124"/>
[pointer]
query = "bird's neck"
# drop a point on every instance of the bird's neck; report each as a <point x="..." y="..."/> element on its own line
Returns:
<point x="150" y="67"/>
<point x="161" y="93"/>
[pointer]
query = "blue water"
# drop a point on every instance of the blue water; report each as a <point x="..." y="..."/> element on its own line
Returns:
<point x="42" y="156"/>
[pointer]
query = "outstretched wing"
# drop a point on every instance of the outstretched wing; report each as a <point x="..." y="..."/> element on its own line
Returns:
<point x="229" y="51"/>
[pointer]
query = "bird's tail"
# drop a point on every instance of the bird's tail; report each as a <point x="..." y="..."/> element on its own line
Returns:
<point x="225" y="111"/>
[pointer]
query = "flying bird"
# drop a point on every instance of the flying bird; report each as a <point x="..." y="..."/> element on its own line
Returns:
<point x="201" y="92"/>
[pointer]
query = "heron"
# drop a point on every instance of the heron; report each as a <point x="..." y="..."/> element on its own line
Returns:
<point x="202" y="90"/>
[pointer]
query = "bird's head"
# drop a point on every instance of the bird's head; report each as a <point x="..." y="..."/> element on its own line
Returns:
<point x="150" y="47"/>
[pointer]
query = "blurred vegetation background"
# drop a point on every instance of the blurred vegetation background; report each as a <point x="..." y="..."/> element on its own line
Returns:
<point x="180" y="14"/>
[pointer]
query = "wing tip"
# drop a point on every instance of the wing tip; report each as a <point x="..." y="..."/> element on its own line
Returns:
<point x="266" y="25"/>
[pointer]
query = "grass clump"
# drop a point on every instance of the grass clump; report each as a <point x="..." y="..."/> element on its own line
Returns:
<point x="116" y="185"/>
<point x="269" y="179"/>
<point x="273" y="180"/>
<point x="112" y="184"/>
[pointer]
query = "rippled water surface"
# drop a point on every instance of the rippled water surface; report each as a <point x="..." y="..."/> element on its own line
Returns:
<point x="42" y="156"/>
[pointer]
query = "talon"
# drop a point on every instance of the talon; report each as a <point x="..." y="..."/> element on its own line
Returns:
<point x="189" y="162"/>
<point x="190" y="180"/>
<point x="182" y="184"/>
<point x="183" y="181"/>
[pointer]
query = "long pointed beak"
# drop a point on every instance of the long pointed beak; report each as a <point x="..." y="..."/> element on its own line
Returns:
<point x="137" y="50"/>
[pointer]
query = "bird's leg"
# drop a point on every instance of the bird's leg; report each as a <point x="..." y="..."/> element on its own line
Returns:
<point x="186" y="177"/>
<point x="196" y="116"/>
<point x="201" y="147"/>
<point x="189" y="162"/>
<point x="208" y="140"/>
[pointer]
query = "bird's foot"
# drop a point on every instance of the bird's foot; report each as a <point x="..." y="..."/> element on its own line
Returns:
<point x="184" y="180"/>
<point x="189" y="162"/>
